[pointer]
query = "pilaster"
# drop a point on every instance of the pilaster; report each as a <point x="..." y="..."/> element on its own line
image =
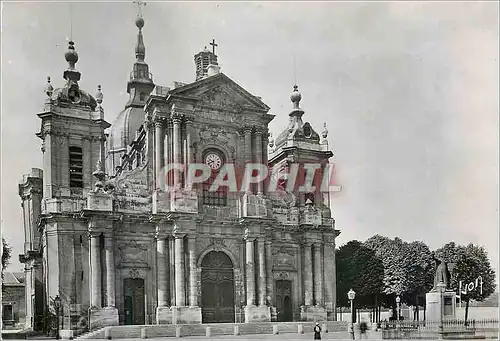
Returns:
<point x="159" y="150"/>
<point x="307" y="272"/>
<point x="177" y="145"/>
<point x="262" y="272"/>
<point x="318" y="275"/>
<point x="193" y="273"/>
<point x="258" y="155"/>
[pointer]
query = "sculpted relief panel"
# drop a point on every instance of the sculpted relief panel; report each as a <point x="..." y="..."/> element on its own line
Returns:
<point x="220" y="97"/>
<point x="132" y="252"/>
<point x="284" y="258"/>
<point x="218" y="136"/>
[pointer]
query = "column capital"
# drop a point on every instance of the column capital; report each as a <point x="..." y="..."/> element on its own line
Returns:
<point x="246" y="129"/>
<point x="93" y="234"/>
<point x="161" y="235"/>
<point x="159" y="121"/>
<point x="306" y="243"/>
<point x="177" y="233"/>
<point x="176" y="117"/>
<point x="189" y="120"/>
<point x="249" y="235"/>
<point x="260" y="130"/>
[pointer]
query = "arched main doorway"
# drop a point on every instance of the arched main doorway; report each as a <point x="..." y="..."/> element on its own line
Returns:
<point x="217" y="288"/>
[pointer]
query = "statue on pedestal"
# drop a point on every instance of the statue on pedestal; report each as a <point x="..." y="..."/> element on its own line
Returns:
<point x="442" y="274"/>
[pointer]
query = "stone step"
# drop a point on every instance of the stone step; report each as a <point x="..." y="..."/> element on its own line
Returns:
<point x="185" y="330"/>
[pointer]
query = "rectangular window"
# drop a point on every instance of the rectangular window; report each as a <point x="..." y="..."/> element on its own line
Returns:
<point x="214" y="198"/>
<point x="8" y="313"/>
<point x="75" y="167"/>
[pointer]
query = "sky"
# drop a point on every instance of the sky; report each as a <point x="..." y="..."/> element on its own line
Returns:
<point x="409" y="92"/>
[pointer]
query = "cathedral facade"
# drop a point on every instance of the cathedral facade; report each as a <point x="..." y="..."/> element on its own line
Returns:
<point x="105" y="234"/>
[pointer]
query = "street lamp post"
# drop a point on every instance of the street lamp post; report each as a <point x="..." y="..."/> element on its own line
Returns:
<point x="57" y="307"/>
<point x="351" y="295"/>
<point x="398" y="301"/>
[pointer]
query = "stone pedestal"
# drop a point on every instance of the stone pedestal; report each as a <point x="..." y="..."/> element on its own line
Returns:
<point x="103" y="317"/>
<point x="66" y="334"/>
<point x="163" y="315"/>
<point x="435" y="300"/>
<point x="257" y="313"/>
<point x="186" y="315"/>
<point x="312" y="313"/>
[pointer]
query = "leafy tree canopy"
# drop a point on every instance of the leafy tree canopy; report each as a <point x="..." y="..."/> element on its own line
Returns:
<point x="359" y="269"/>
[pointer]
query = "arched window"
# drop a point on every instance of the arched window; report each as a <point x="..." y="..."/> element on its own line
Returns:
<point x="75" y="167"/>
<point x="142" y="96"/>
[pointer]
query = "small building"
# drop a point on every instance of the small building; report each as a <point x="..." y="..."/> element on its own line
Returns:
<point x="13" y="300"/>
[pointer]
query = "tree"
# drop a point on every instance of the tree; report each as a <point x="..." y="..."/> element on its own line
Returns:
<point x="419" y="274"/>
<point x="6" y="254"/>
<point x="408" y="269"/>
<point x="394" y="261"/>
<point x="470" y="263"/>
<point x="358" y="268"/>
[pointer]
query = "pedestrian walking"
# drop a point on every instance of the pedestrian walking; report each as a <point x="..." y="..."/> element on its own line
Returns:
<point x="363" y="327"/>
<point x="317" y="332"/>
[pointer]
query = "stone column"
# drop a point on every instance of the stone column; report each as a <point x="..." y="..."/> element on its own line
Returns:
<point x="189" y="152"/>
<point x="318" y="275"/>
<point x="168" y="149"/>
<point x="247" y="131"/>
<point x="180" y="291"/>
<point x="265" y="142"/>
<point x="47" y="165"/>
<point x="334" y="283"/>
<point x="171" y="268"/>
<point x="161" y="268"/>
<point x="258" y="156"/>
<point x="307" y="272"/>
<point x="250" y="271"/>
<point x="159" y="151"/>
<point x="269" y="268"/>
<point x="262" y="272"/>
<point x="95" y="270"/>
<point x="177" y="147"/>
<point x="110" y="271"/>
<point x="329" y="275"/>
<point x="193" y="273"/>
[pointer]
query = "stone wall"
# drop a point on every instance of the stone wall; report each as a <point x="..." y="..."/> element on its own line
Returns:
<point x="14" y="295"/>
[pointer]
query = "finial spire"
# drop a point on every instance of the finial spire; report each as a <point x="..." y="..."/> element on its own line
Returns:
<point x="324" y="133"/>
<point x="49" y="89"/>
<point x="99" y="96"/>
<point x="71" y="74"/>
<point x="295" y="97"/>
<point x="140" y="49"/>
<point x="99" y="175"/>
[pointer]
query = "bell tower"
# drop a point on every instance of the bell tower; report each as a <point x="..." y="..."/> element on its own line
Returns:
<point x="72" y="134"/>
<point x="204" y="59"/>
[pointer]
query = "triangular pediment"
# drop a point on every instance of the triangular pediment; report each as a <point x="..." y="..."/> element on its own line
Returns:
<point x="221" y="91"/>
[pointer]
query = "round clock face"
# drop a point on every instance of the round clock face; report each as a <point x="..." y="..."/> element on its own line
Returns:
<point x="213" y="161"/>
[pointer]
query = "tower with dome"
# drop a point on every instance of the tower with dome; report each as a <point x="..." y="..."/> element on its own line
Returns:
<point x="103" y="234"/>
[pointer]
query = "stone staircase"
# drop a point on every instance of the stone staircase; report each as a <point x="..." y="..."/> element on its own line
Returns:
<point x="208" y="330"/>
